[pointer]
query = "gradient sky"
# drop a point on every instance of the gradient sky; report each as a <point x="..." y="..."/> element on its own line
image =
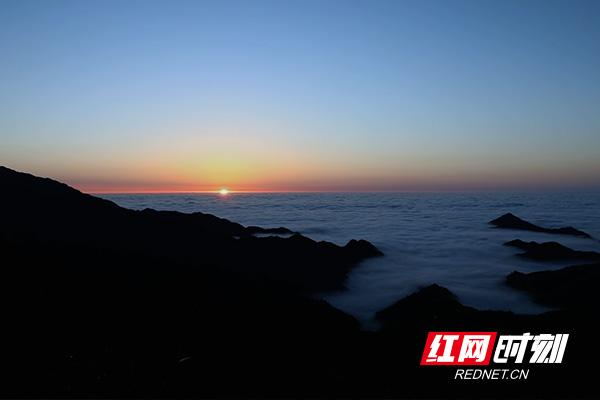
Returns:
<point x="302" y="95"/>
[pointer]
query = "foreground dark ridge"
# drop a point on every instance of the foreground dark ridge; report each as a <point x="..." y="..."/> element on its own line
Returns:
<point x="573" y="287"/>
<point x="47" y="210"/>
<point x="510" y="221"/>
<point x="100" y="301"/>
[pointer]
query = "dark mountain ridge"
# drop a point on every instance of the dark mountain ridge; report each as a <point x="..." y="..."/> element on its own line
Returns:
<point x="47" y="210"/>
<point x="104" y="302"/>
<point x="511" y="221"/>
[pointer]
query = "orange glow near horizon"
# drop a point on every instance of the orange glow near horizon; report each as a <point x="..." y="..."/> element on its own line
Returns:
<point x="289" y="172"/>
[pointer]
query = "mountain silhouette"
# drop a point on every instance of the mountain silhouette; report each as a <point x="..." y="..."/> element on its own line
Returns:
<point x="100" y="301"/>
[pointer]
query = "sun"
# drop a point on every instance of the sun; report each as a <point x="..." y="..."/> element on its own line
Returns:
<point x="224" y="192"/>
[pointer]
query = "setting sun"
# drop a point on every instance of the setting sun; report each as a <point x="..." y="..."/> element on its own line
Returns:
<point x="224" y="192"/>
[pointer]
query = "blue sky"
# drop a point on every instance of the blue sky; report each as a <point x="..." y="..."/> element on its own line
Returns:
<point x="305" y="95"/>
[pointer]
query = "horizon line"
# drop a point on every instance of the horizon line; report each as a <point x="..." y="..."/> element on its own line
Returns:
<point x="233" y="192"/>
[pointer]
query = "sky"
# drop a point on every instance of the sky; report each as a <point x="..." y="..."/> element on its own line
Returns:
<point x="136" y="96"/>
